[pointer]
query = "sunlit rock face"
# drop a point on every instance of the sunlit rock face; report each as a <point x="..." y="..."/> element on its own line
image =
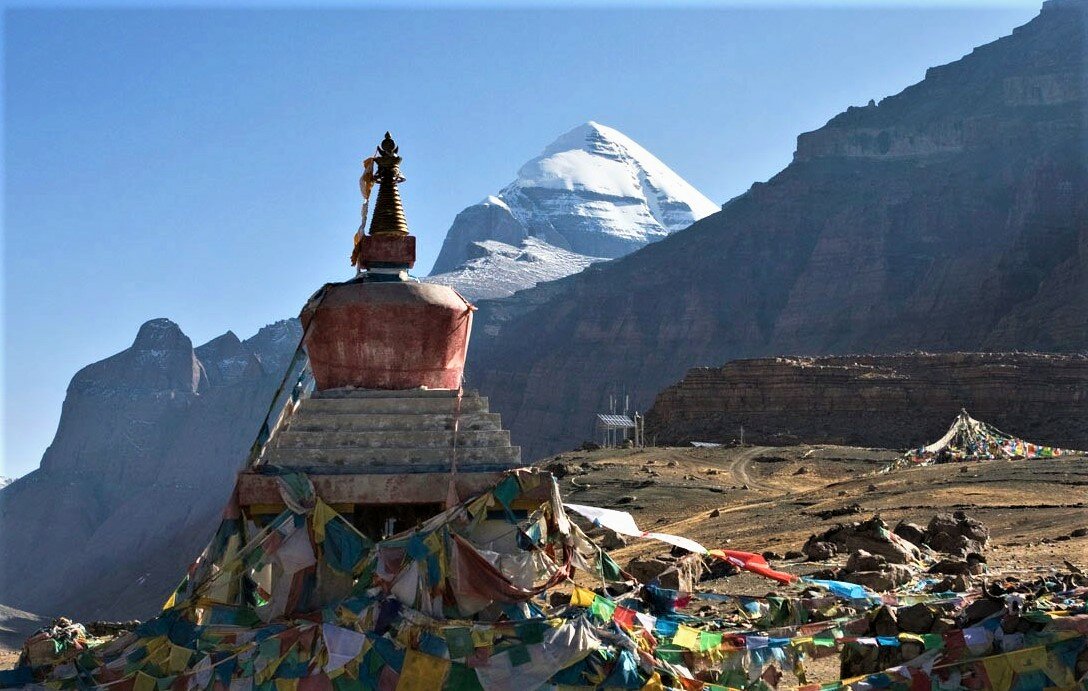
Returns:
<point x="952" y="216"/>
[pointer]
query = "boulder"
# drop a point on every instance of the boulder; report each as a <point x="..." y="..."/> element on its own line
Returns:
<point x="942" y="625"/>
<point x="893" y="576"/>
<point x="646" y="570"/>
<point x="917" y="618"/>
<point x="884" y="622"/>
<point x="872" y="536"/>
<point x="951" y="567"/>
<point x="557" y="469"/>
<point x="953" y="584"/>
<point x="956" y="534"/>
<point x="719" y="568"/>
<point x="863" y="561"/>
<point x="980" y="609"/>
<point x="817" y="550"/>
<point x="612" y="540"/>
<point x="911" y="532"/>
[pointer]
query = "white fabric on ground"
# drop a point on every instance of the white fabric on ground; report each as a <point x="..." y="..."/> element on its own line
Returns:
<point x="624" y="523"/>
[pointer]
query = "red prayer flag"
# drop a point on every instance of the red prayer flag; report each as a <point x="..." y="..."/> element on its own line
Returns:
<point x="624" y="617"/>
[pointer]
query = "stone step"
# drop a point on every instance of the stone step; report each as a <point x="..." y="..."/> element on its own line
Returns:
<point x="400" y="393"/>
<point x="396" y="460"/>
<point x="294" y="438"/>
<point x="306" y="420"/>
<point x="392" y="405"/>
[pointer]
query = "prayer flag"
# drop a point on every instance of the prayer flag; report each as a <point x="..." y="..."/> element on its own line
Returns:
<point x="624" y="616"/>
<point x="582" y="597"/>
<point x="686" y="637"/>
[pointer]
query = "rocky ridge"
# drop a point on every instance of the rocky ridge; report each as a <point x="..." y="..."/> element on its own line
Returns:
<point x="142" y="463"/>
<point x="500" y="270"/>
<point x="891" y="401"/>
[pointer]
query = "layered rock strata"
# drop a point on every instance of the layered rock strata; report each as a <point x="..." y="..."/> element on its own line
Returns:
<point x="892" y="401"/>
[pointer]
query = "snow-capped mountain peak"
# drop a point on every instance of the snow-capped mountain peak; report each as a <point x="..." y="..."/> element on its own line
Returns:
<point x="593" y="192"/>
<point x="599" y="159"/>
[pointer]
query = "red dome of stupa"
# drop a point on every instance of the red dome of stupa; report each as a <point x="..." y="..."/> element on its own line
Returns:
<point x="385" y="329"/>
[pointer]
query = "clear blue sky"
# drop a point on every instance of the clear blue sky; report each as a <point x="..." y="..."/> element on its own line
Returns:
<point x="202" y="164"/>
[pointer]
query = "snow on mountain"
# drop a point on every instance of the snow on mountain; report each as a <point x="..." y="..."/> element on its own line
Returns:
<point x="5" y="481"/>
<point x="502" y="270"/>
<point x="592" y="194"/>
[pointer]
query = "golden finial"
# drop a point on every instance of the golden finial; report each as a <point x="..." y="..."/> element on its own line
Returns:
<point x="388" y="218"/>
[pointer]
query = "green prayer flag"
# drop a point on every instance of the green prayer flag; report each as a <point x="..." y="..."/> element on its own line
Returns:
<point x="933" y="641"/>
<point x="507" y="491"/>
<point x="708" y="640"/>
<point x="602" y="608"/>
<point x="610" y="570"/>
<point x="459" y="641"/>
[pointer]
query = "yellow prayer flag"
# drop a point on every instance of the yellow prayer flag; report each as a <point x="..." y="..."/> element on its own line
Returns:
<point x="179" y="658"/>
<point x="286" y="684"/>
<point x="1028" y="659"/>
<point x="422" y="671"/>
<point x="482" y="637"/>
<point x="999" y="672"/>
<point x="158" y="651"/>
<point x="144" y="682"/>
<point x="686" y="637"/>
<point x="171" y="601"/>
<point x="322" y="514"/>
<point x="654" y="683"/>
<point x="582" y="597"/>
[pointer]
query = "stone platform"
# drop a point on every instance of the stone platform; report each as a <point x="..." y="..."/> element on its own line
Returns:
<point x="386" y="447"/>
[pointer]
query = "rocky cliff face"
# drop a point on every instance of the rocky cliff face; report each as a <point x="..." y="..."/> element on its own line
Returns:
<point x="142" y="463"/>
<point x="891" y="401"/>
<point x="495" y="269"/>
<point x="952" y="216"/>
<point x="593" y="193"/>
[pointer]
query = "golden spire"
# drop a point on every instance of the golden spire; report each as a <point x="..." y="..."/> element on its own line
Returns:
<point x="388" y="217"/>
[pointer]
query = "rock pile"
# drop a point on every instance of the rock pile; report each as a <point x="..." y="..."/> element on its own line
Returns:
<point x="957" y="534"/>
<point x="872" y="536"/>
<point x="882" y="560"/>
<point x="945" y="620"/>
